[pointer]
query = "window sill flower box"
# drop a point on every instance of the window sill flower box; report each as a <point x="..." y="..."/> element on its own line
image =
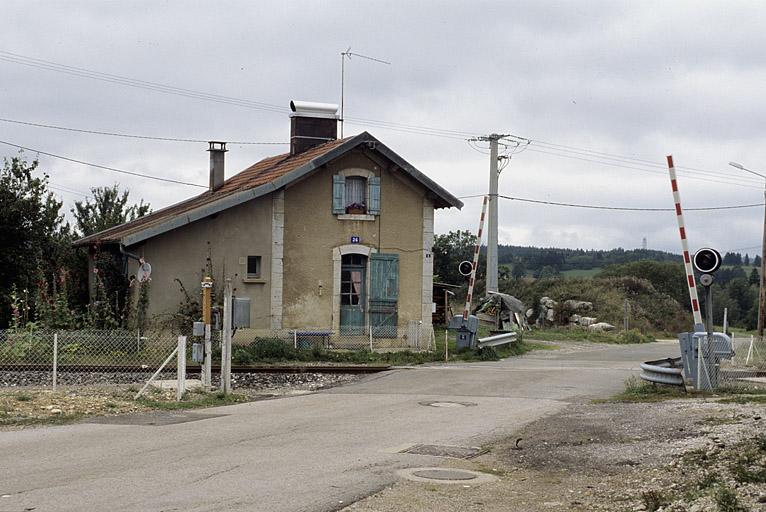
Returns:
<point x="356" y="209"/>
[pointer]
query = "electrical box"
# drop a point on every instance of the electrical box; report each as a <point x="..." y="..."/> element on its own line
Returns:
<point x="198" y="352"/>
<point x="465" y="331"/>
<point x="241" y="313"/>
<point x="198" y="329"/>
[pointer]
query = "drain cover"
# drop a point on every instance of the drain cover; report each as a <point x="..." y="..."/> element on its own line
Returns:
<point x="445" y="474"/>
<point x="455" y="452"/>
<point x="439" y="403"/>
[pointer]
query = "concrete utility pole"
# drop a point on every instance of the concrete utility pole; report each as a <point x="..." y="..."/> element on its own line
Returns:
<point x="762" y="292"/>
<point x="226" y="341"/>
<point x="492" y="221"/>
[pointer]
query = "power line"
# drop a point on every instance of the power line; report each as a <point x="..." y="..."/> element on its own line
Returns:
<point x="113" y="169"/>
<point x="640" y="161"/>
<point x="617" y="208"/>
<point x="131" y="82"/>
<point x="593" y="156"/>
<point x="640" y="169"/>
<point x="130" y="136"/>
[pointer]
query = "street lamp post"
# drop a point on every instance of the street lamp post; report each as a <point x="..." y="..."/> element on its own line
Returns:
<point x="762" y="291"/>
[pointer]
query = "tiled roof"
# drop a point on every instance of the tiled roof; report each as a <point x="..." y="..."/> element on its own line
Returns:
<point x="261" y="173"/>
<point x="264" y="177"/>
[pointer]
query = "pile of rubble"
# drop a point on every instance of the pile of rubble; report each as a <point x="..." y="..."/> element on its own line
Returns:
<point x="568" y="313"/>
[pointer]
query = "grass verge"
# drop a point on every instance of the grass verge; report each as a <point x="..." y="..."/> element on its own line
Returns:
<point x="581" y="334"/>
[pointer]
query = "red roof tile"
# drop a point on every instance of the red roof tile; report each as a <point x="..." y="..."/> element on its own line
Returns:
<point x="261" y="173"/>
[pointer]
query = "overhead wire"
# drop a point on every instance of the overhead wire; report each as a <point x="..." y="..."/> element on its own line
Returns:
<point x="104" y="167"/>
<point x="617" y="208"/>
<point x="554" y="149"/>
<point x="127" y="135"/>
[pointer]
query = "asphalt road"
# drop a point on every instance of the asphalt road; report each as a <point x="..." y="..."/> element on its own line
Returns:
<point x="314" y="452"/>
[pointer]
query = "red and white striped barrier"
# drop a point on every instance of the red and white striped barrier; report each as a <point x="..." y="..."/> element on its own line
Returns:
<point x="472" y="279"/>
<point x="685" y="245"/>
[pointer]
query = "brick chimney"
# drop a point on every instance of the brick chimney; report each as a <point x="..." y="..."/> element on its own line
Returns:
<point x="312" y="124"/>
<point x="217" y="151"/>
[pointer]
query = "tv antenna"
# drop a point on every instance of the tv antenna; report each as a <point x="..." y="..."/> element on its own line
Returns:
<point x="343" y="56"/>
<point x="144" y="271"/>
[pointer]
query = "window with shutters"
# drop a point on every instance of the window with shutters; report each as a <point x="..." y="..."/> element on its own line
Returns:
<point x="356" y="195"/>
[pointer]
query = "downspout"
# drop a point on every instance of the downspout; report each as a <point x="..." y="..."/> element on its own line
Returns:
<point x="126" y="255"/>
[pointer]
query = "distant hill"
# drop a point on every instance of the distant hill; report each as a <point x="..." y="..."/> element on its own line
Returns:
<point x="534" y="259"/>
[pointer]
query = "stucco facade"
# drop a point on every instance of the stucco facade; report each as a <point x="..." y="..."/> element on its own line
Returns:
<point x="227" y="238"/>
<point x="342" y="232"/>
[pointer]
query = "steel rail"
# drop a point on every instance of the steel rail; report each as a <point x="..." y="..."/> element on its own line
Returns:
<point x="347" y="369"/>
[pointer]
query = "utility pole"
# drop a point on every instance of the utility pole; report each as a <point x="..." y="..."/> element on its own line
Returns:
<point x="492" y="221"/>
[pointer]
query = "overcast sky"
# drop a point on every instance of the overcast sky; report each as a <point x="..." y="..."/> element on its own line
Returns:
<point x="604" y="90"/>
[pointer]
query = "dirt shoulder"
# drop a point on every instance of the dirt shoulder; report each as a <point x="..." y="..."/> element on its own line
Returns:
<point x="689" y="455"/>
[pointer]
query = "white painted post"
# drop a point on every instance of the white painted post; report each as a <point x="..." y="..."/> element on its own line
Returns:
<point x="154" y="376"/>
<point x="725" y="320"/>
<point x="750" y="350"/>
<point x="226" y="342"/>
<point x="295" y="339"/>
<point x="208" y="382"/>
<point x="699" y="363"/>
<point x="370" y="338"/>
<point x="446" y="347"/>
<point x="181" y="368"/>
<point x="55" y="358"/>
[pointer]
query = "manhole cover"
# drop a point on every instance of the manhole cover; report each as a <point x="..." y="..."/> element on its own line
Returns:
<point x="445" y="474"/>
<point x="456" y="452"/>
<point x="439" y="403"/>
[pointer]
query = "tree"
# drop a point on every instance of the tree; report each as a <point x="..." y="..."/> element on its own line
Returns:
<point x="667" y="277"/>
<point x="747" y="260"/>
<point x="519" y="269"/>
<point x="757" y="261"/>
<point x="109" y="208"/>
<point x="32" y="232"/>
<point x="754" y="278"/>
<point x="449" y="250"/>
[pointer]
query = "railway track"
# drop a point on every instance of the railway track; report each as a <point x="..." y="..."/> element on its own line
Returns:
<point x="350" y="369"/>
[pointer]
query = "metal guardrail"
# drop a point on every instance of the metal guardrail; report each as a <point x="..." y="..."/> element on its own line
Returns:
<point x="497" y="340"/>
<point x="663" y="371"/>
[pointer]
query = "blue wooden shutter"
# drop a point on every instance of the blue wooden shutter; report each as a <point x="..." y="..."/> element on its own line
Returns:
<point x="384" y="294"/>
<point x="338" y="194"/>
<point x="373" y="185"/>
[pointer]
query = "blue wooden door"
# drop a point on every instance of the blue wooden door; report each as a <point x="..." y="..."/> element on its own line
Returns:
<point x="352" y="294"/>
<point x="384" y="294"/>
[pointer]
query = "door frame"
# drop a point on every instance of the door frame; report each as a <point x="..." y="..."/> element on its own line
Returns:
<point x="337" y="256"/>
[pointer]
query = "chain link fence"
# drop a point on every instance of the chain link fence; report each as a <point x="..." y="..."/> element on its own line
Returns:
<point x="415" y="337"/>
<point x="42" y="357"/>
<point x="739" y="366"/>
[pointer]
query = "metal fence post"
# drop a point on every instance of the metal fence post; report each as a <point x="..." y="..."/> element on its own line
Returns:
<point x="55" y="358"/>
<point x="370" y="338"/>
<point x="181" y="368"/>
<point x="295" y="339"/>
